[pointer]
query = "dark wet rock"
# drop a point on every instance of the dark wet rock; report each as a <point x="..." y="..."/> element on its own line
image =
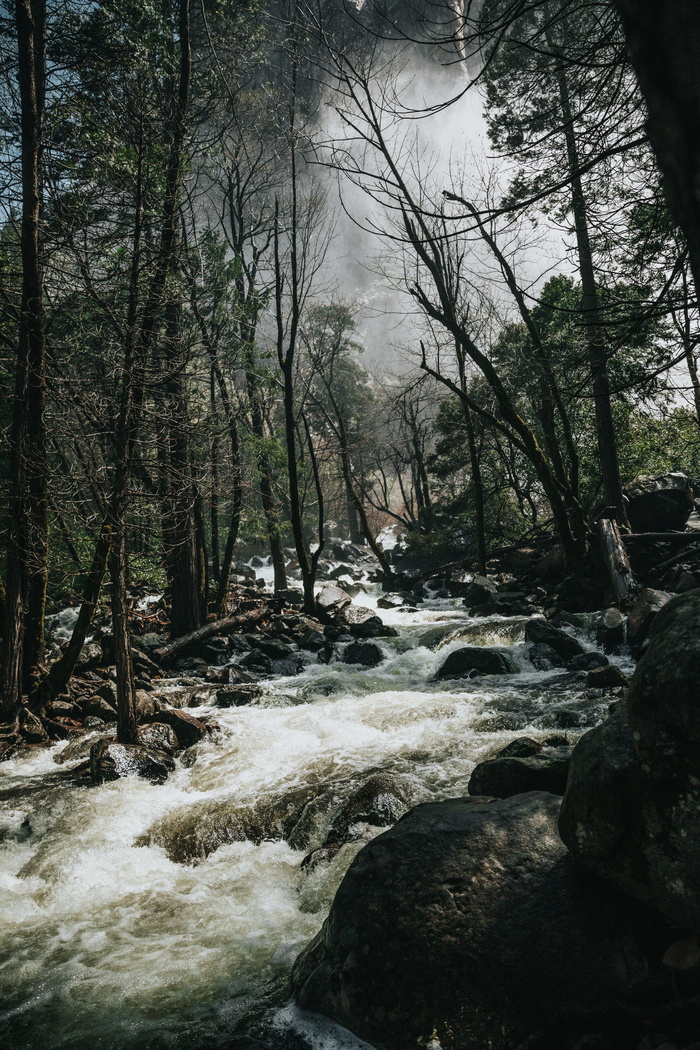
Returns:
<point x="273" y="648"/>
<point x="91" y="655"/>
<point x="313" y="641"/>
<point x="292" y="665"/>
<point x="473" y="660"/>
<point x="543" y="657"/>
<point x="112" y="761"/>
<point x="188" y="730"/>
<point x="524" y="746"/>
<point x="611" y="630"/>
<point x="587" y="662"/>
<point x="395" y="601"/>
<point x="99" y="708"/>
<point x="642" y="615"/>
<point x="609" y="677"/>
<point x="31" y="727"/>
<point x="363" y="623"/>
<point x="545" y="769"/>
<point x="631" y="810"/>
<point x="479" y="591"/>
<point x="234" y="675"/>
<point x="93" y="722"/>
<point x="469" y="921"/>
<point x="257" y="661"/>
<point x="63" y="709"/>
<point x="330" y="600"/>
<point x="506" y="603"/>
<point x="380" y="800"/>
<point x="146" y="705"/>
<point x="659" y="504"/>
<point x="366" y="653"/>
<point x="193" y="832"/>
<point x="160" y="736"/>
<point x="238" y="695"/>
<point x="563" y="644"/>
<point x="108" y="692"/>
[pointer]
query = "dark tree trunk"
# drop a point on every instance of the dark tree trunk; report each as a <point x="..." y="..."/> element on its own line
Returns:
<point x="595" y="339"/>
<point x="27" y="548"/>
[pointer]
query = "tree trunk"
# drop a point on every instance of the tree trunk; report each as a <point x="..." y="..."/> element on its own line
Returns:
<point x="27" y="548"/>
<point x="597" y="352"/>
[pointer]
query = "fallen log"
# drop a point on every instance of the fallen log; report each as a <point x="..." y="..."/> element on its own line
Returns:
<point x="616" y="561"/>
<point x="225" y="626"/>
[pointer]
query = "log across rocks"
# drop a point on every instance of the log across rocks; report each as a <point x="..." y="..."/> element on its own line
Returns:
<point x="469" y="923"/>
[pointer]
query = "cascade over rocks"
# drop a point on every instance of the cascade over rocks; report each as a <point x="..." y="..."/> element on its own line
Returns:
<point x="469" y="919"/>
<point x="631" y="813"/>
<point x="659" y="504"/>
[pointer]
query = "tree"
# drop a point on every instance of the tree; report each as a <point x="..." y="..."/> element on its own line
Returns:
<point x="27" y="549"/>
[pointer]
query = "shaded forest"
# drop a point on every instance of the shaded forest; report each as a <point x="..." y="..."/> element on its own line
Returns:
<point x="182" y="364"/>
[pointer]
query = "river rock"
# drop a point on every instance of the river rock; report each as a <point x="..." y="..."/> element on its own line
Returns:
<point x="609" y="677"/>
<point x="587" y="662"/>
<point x="364" y="623"/>
<point x="191" y="833"/>
<point x="539" y="631"/>
<point x="112" y="761"/>
<point x="469" y="923"/>
<point x="543" y="657"/>
<point x="507" y="774"/>
<point x="611" y="630"/>
<point x="90" y="655"/>
<point x="330" y="600"/>
<point x="160" y="736"/>
<point x="479" y="591"/>
<point x="642" y="615"/>
<point x="473" y="660"/>
<point x="659" y="504"/>
<point x="380" y="801"/>
<point x="238" y="695"/>
<point x="366" y="653"/>
<point x="631" y="812"/>
<point x="63" y="709"/>
<point x="31" y="727"/>
<point x="188" y="730"/>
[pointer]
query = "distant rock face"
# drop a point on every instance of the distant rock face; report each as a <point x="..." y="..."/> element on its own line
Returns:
<point x="473" y="660"/>
<point x="469" y="921"/>
<point x="659" y="504"/>
<point x="631" y="813"/>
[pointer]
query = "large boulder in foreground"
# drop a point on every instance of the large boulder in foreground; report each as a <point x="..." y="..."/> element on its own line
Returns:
<point x="469" y="919"/>
<point x="631" y="812"/>
<point x="659" y="504"/>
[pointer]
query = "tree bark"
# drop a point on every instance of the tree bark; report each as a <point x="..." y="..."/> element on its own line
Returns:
<point x="27" y="548"/>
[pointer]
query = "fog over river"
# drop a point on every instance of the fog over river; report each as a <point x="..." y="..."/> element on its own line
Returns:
<point x="110" y="941"/>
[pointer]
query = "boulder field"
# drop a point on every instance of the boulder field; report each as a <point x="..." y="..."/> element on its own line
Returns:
<point x="532" y="923"/>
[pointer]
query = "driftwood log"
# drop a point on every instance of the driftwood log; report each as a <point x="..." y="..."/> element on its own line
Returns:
<point x="226" y="626"/>
<point x="616" y="561"/>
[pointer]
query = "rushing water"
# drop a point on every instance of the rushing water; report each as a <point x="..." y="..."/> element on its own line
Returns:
<point x="111" y="939"/>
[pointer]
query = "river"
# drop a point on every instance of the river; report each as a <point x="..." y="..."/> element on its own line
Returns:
<point x="109" y="942"/>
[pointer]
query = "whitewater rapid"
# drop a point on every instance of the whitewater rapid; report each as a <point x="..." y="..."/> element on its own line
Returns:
<point x="108" y="942"/>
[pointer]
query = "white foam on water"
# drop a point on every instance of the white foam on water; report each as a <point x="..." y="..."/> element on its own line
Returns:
<point x="106" y="940"/>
